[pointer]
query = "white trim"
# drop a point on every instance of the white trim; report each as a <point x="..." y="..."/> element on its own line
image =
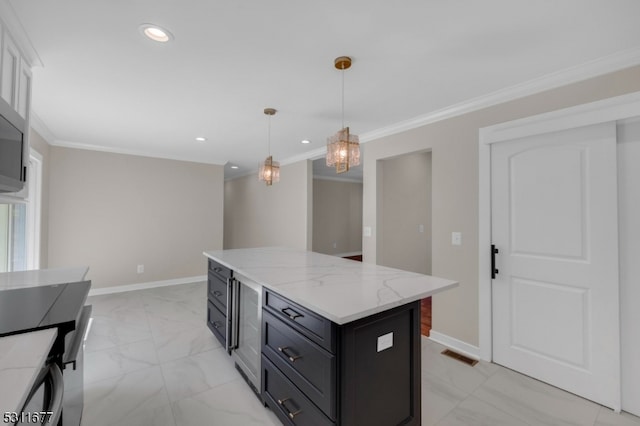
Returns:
<point x="484" y="252"/>
<point x="608" y="64"/>
<point x="338" y="179"/>
<point x="611" y="109"/>
<point x="41" y="128"/>
<point x="601" y="66"/>
<point x="113" y="150"/>
<point x="455" y="344"/>
<point x="147" y="285"/>
<point x="603" y="111"/>
<point x="34" y="210"/>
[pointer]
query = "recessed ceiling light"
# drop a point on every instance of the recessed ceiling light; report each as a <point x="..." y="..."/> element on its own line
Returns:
<point x="156" y="33"/>
<point x="234" y="167"/>
<point x="201" y="139"/>
<point x="306" y="141"/>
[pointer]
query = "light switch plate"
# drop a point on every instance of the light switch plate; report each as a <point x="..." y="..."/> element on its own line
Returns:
<point x="385" y="341"/>
<point x="366" y="231"/>
<point x="456" y="238"/>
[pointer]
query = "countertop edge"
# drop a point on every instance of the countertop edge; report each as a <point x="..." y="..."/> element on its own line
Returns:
<point x="26" y="370"/>
<point x="42" y="277"/>
<point x="345" y="319"/>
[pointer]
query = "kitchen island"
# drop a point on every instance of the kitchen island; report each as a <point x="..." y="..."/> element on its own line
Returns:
<point x="340" y="340"/>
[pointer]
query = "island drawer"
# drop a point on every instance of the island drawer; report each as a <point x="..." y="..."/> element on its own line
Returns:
<point x="217" y="323"/>
<point x="220" y="270"/>
<point x="218" y="291"/>
<point x="311" y="368"/>
<point x="286" y="401"/>
<point x="319" y="329"/>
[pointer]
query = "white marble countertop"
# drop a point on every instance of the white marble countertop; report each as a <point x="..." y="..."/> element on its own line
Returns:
<point x="339" y="289"/>
<point x="39" y="277"/>
<point x="21" y="357"/>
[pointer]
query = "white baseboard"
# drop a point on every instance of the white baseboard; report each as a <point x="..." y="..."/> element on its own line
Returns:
<point x="144" y="286"/>
<point x="459" y="346"/>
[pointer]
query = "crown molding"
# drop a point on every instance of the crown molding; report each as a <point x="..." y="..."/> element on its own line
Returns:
<point x="14" y="27"/>
<point x="337" y="179"/>
<point x="111" y="150"/>
<point x="40" y="127"/>
<point x="605" y="65"/>
<point x="608" y="64"/>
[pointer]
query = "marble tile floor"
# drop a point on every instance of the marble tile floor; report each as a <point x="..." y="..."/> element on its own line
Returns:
<point x="151" y="360"/>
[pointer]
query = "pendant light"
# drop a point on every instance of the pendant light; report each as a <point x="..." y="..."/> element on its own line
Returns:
<point x="343" y="148"/>
<point x="269" y="169"/>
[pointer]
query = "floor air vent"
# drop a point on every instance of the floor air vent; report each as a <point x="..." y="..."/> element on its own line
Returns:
<point x="459" y="357"/>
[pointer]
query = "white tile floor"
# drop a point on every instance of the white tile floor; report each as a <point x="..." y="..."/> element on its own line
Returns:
<point x="151" y="360"/>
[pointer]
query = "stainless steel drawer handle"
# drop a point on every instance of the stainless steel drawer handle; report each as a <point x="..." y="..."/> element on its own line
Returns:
<point x="291" y="313"/>
<point x="217" y="269"/>
<point x="292" y="358"/>
<point x="216" y="325"/>
<point x="217" y="293"/>
<point x="290" y="413"/>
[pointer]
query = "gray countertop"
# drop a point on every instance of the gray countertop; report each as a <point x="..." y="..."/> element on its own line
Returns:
<point x="40" y="277"/>
<point x="339" y="289"/>
<point x="21" y="357"/>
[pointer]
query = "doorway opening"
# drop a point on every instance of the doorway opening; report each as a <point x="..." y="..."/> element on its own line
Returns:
<point x="404" y="236"/>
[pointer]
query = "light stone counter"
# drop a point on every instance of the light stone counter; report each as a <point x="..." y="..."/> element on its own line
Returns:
<point x="341" y="290"/>
<point x="21" y="357"/>
<point x="40" y="277"/>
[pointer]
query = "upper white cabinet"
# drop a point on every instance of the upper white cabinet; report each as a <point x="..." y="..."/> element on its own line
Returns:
<point x="15" y="73"/>
<point x="24" y="89"/>
<point x="15" y="81"/>
<point x="10" y="71"/>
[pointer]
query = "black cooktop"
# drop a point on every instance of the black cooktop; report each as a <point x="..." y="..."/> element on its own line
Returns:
<point x="35" y="308"/>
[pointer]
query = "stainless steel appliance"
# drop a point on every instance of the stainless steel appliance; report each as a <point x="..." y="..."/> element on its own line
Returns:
<point x="59" y="387"/>
<point x="246" y="329"/>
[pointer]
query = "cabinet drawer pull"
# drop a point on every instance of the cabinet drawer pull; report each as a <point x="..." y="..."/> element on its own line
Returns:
<point x="291" y="313"/>
<point x="216" y="325"/>
<point x="292" y="358"/>
<point x="217" y="293"/>
<point x="290" y="413"/>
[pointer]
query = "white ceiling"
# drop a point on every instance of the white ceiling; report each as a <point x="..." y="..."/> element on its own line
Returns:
<point x="103" y="85"/>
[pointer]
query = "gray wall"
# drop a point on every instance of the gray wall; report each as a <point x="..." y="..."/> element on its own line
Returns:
<point x="337" y="216"/>
<point x="454" y="146"/>
<point x="257" y="215"/>
<point x="112" y="212"/>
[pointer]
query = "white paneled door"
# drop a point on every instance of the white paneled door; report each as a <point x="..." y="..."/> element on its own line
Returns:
<point x="555" y="225"/>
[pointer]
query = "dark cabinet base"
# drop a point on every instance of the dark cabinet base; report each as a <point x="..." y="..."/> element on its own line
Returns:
<point x="377" y="376"/>
<point x="380" y="385"/>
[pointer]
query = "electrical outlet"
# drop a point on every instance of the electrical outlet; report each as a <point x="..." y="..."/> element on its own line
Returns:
<point x="140" y="269"/>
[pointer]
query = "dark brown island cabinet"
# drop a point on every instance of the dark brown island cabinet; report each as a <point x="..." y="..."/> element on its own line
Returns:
<point x="315" y="372"/>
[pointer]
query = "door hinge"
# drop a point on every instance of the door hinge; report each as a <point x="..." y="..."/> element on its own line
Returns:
<point x="494" y="270"/>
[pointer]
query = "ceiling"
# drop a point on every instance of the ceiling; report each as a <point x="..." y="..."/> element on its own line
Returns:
<point x="104" y="86"/>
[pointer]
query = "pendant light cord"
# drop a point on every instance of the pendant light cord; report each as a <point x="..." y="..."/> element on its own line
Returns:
<point x="342" y="96"/>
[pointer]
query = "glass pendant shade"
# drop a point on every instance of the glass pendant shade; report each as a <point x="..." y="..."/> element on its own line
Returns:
<point x="269" y="171"/>
<point x="343" y="150"/>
